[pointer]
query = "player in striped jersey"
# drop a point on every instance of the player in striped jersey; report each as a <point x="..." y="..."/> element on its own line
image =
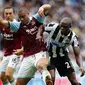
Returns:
<point x="60" y="36"/>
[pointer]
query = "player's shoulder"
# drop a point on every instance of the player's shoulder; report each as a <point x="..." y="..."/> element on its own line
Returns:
<point x="51" y="26"/>
<point x="74" y="36"/>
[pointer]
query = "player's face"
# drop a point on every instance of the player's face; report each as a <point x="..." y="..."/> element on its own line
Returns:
<point x="23" y="17"/>
<point x="9" y="14"/>
<point x="65" y="29"/>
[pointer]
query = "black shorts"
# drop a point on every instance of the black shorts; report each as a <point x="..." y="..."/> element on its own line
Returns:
<point x="51" y="67"/>
<point x="63" y="65"/>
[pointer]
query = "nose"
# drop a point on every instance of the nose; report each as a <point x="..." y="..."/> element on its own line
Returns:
<point x="62" y="28"/>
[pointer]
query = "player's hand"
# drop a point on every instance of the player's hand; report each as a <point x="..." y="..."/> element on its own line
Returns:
<point x="18" y="51"/>
<point x="41" y="12"/>
<point x="82" y="72"/>
<point x="0" y="19"/>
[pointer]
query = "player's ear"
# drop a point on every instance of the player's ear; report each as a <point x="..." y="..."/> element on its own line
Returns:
<point x="28" y="13"/>
<point x="70" y="26"/>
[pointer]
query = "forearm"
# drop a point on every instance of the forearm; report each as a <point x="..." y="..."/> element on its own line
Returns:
<point x="40" y="30"/>
<point x="78" y="57"/>
<point x="79" y="61"/>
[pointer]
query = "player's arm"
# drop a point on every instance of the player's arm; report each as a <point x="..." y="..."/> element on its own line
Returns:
<point x="3" y="22"/>
<point x="42" y="12"/>
<point x="78" y="57"/>
<point x="79" y="61"/>
<point x="40" y="33"/>
<point x="14" y="26"/>
<point x="40" y="17"/>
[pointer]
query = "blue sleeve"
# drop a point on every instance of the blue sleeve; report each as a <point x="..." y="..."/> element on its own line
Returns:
<point x="14" y="26"/>
<point x="38" y="18"/>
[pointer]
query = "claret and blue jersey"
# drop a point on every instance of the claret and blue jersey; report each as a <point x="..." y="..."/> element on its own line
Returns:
<point x="10" y="39"/>
<point x="28" y="33"/>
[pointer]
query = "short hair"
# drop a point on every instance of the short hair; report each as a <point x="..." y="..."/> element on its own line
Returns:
<point x="23" y="9"/>
<point x="9" y="7"/>
<point x="67" y="21"/>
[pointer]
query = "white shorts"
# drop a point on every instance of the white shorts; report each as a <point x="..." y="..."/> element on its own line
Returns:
<point x="9" y="61"/>
<point x="28" y="66"/>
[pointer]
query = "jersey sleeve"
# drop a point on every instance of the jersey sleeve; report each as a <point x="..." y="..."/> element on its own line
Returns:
<point x="75" y="42"/>
<point x="14" y="26"/>
<point x="51" y="27"/>
<point x="38" y="18"/>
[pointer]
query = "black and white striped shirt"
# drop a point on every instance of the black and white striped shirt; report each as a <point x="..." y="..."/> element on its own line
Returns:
<point x="58" y="43"/>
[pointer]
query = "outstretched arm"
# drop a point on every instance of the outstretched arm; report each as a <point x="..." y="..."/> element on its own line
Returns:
<point x="78" y="56"/>
<point x="43" y="11"/>
<point x="14" y="25"/>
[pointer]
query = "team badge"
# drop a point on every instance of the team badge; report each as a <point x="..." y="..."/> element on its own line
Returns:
<point x="32" y="22"/>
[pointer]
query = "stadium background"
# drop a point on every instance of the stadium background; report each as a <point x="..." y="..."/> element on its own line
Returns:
<point x="75" y="9"/>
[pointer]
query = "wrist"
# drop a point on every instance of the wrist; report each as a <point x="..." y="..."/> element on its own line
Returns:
<point x="80" y="68"/>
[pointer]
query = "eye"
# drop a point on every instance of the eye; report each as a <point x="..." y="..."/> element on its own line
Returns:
<point x="64" y="26"/>
<point x="6" y="13"/>
<point x="10" y="13"/>
<point x="22" y="16"/>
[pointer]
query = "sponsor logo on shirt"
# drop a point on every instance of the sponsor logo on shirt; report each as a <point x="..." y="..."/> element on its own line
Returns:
<point x="32" y="31"/>
<point x="8" y="36"/>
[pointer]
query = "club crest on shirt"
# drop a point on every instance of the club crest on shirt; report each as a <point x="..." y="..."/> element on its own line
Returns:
<point x="32" y="22"/>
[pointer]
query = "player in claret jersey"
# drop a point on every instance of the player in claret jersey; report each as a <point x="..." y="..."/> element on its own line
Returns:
<point x="32" y="41"/>
<point x="11" y="42"/>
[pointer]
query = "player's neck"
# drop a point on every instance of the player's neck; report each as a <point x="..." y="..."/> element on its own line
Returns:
<point x="10" y="20"/>
<point x="66" y="33"/>
<point x="27" y="21"/>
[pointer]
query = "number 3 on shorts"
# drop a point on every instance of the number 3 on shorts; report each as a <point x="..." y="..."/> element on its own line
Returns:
<point x="67" y="64"/>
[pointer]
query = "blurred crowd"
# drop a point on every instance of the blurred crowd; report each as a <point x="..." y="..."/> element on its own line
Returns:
<point x="75" y="9"/>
